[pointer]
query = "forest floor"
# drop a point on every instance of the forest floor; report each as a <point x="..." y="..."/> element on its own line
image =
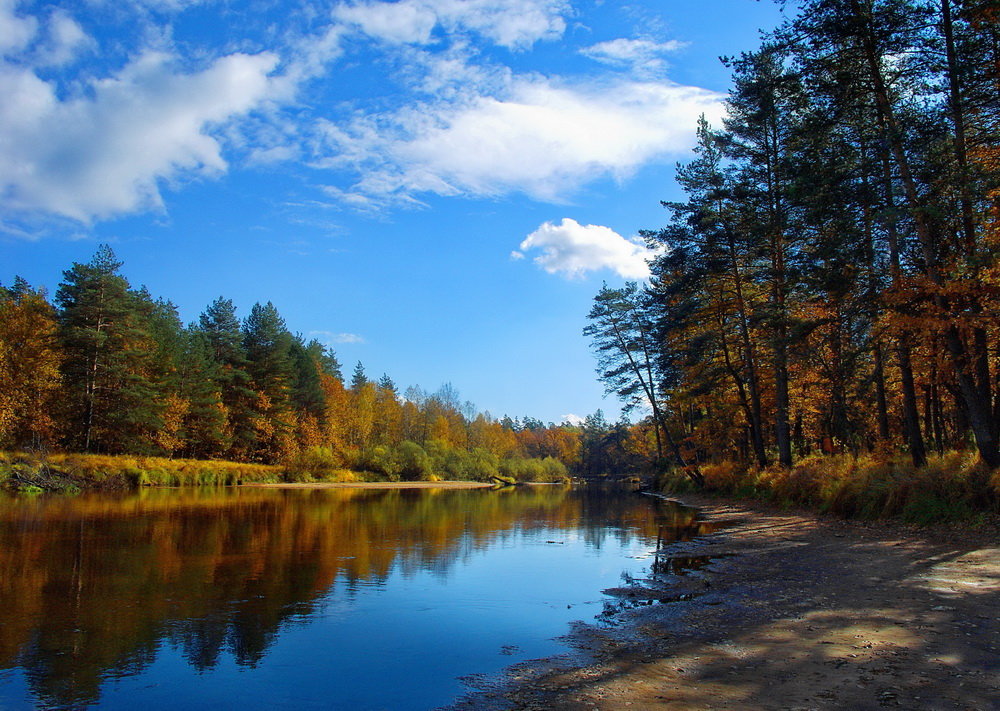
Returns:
<point x="785" y="610"/>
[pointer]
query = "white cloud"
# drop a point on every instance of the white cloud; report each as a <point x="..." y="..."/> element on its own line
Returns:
<point x="509" y="23"/>
<point x="397" y="22"/>
<point x="331" y="337"/>
<point x="90" y="148"/>
<point x="452" y="74"/>
<point x="641" y="56"/>
<point x="16" y="32"/>
<point x="308" y="56"/>
<point x="66" y="40"/>
<point x="542" y="139"/>
<point x="155" y="5"/>
<point x="572" y="249"/>
<point x="272" y="155"/>
<point x="106" y="151"/>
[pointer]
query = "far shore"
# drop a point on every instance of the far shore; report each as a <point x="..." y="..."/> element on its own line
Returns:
<point x="375" y="485"/>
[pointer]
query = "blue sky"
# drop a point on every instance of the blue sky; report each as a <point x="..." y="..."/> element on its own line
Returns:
<point x="436" y="188"/>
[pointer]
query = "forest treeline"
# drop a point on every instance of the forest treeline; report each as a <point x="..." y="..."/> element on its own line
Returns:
<point x="106" y="368"/>
<point x="828" y="282"/>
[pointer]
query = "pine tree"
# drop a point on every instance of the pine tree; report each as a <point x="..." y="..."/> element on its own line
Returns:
<point x="358" y="379"/>
<point x="111" y="397"/>
<point x="762" y="110"/>
<point x="307" y="393"/>
<point x="207" y="432"/>
<point x="703" y="290"/>
<point x="222" y="335"/>
<point x="387" y="384"/>
<point x="622" y="337"/>
<point x="268" y="346"/>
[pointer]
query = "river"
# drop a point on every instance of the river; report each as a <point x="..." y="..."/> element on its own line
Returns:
<point x="335" y="599"/>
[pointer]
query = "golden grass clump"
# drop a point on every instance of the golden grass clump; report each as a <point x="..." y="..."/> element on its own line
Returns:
<point x="106" y="471"/>
<point x="952" y="486"/>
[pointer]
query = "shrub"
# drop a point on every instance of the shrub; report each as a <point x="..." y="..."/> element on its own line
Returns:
<point x="381" y="461"/>
<point x="312" y="463"/>
<point x="533" y="469"/>
<point x="483" y="465"/>
<point x="414" y="462"/>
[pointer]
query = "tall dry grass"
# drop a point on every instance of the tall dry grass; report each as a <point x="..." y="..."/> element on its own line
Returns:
<point x="25" y="471"/>
<point x="953" y="486"/>
<point x="103" y="471"/>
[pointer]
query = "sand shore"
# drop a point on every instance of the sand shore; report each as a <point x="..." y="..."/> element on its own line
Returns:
<point x="785" y="610"/>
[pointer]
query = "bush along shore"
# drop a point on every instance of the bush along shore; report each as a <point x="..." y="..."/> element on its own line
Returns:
<point x="954" y="486"/>
<point x="29" y="472"/>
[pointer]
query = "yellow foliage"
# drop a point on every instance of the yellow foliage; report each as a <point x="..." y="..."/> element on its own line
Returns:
<point x="170" y="437"/>
<point x="29" y="369"/>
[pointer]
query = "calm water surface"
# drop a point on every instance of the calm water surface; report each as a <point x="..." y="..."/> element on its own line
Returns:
<point x="262" y="598"/>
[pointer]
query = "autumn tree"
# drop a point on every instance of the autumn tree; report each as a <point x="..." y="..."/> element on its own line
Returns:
<point x="30" y="356"/>
<point x="622" y="337"/>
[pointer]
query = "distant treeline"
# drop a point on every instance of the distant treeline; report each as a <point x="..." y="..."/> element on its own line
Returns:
<point x="829" y="281"/>
<point x="109" y="369"/>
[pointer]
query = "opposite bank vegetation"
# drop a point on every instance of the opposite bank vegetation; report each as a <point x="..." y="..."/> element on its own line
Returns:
<point x="31" y="473"/>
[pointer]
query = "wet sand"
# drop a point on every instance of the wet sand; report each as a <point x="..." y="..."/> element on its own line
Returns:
<point x="785" y="610"/>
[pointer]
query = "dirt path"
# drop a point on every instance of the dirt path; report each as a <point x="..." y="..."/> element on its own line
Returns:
<point x="787" y="611"/>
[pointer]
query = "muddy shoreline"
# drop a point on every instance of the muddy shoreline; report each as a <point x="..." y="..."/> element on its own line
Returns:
<point x="784" y="610"/>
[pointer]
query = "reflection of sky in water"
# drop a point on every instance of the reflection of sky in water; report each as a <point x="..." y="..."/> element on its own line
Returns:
<point x="402" y="639"/>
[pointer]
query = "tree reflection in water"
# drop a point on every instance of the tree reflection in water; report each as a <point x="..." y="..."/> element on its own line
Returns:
<point x="92" y="586"/>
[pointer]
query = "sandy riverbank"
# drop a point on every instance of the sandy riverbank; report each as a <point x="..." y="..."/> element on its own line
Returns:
<point x="786" y="611"/>
<point x="378" y="485"/>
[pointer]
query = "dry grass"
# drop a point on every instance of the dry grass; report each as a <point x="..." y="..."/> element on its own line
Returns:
<point x="953" y="486"/>
<point x="122" y="472"/>
<point x="70" y="472"/>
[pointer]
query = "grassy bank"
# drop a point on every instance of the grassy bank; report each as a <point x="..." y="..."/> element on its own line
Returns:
<point x="953" y="486"/>
<point x="29" y="472"/>
<point x="67" y="472"/>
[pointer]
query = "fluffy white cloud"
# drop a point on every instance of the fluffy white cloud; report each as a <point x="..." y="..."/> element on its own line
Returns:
<point x="508" y="23"/>
<point x="89" y="148"/>
<point x="105" y="151"/>
<point x="66" y="40"/>
<point x="400" y="22"/>
<point x="542" y="139"/>
<point x="639" y="55"/>
<point x="573" y="249"/>
<point x="16" y="31"/>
